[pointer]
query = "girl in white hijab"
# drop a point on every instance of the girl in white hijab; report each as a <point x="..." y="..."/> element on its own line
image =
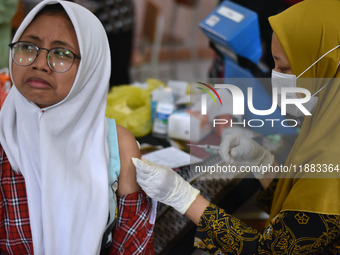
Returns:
<point x="54" y="132"/>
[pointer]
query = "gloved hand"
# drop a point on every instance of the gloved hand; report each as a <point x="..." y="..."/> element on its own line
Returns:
<point x="164" y="185"/>
<point x="237" y="148"/>
<point x="231" y="130"/>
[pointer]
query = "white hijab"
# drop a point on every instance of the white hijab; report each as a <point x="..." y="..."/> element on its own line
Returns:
<point x="63" y="152"/>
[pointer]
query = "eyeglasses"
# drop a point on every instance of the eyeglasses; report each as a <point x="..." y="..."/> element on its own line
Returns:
<point x="59" y="59"/>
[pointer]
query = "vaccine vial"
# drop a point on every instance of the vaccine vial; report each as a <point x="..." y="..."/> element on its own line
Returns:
<point x="164" y="109"/>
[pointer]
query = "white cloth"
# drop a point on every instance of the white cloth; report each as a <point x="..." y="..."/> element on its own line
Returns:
<point x="163" y="184"/>
<point x="63" y="152"/>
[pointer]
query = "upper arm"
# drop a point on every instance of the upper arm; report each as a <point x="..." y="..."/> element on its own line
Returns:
<point x="128" y="149"/>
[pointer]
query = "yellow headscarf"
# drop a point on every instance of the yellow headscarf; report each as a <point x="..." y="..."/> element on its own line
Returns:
<point x="307" y="31"/>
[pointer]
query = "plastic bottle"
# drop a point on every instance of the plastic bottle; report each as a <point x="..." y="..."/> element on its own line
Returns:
<point x="165" y="107"/>
<point x="155" y="97"/>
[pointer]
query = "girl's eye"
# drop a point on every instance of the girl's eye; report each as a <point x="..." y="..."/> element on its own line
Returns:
<point x="61" y="53"/>
<point x="27" y="47"/>
<point x="283" y="69"/>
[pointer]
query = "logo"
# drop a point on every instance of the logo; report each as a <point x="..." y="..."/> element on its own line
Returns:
<point x="204" y="97"/>
<point x="239" y="99"/>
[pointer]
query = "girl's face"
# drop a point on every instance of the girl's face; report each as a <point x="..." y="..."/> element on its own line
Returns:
<point x="37" y="82"/>
<point x="281" y="61"/>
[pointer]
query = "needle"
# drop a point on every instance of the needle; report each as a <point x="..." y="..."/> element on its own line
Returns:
<point x="205" y="146"/>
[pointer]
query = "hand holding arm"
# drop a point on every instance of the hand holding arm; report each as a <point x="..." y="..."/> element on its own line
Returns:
<point x="165" y="185"/>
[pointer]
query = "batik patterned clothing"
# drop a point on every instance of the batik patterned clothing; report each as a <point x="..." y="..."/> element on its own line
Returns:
<point x="290" y="232"/>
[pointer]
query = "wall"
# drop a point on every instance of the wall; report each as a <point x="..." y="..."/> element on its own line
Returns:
<point x="183" y="26"/>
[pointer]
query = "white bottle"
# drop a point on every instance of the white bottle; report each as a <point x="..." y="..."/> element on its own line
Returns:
<point x="155" y="97"/>
<point x="165" y="107"/>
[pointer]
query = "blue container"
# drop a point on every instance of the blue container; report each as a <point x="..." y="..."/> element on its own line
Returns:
<point x="236" y="28"/>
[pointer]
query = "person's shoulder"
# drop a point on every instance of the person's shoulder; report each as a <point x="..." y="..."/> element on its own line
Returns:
<point x="128" y="146"/>
<point x="122" y="131"/>
<point x="128" y="149"/>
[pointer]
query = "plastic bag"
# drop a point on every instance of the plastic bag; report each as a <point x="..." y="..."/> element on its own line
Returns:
<point x="130" y="106"/>
<point x="5" y="85"/>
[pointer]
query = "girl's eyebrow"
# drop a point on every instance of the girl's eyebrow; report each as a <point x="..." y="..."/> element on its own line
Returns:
<point x="33" y="37"/>
<point x="57" y="42"/>
<point x="62" y="43"/>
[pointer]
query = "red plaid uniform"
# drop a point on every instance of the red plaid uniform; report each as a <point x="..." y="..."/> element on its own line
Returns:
<point x="132" y="234"/>
<point x="15" y="230"/>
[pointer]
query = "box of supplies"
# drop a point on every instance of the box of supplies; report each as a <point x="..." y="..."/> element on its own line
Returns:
<point x="235" y="28"/>
<point x="185" y="126"/>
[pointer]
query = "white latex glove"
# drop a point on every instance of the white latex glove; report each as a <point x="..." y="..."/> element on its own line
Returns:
<point x="164" y="185"/>
<point x="237" y="148"/>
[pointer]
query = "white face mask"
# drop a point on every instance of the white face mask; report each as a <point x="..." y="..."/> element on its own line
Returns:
<point x="280" y="80"/>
